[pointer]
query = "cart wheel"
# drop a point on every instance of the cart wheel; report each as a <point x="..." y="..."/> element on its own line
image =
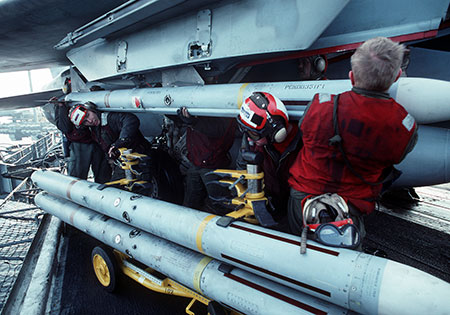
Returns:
<point x="214" y="308"/>
<point x="105" y="267"/>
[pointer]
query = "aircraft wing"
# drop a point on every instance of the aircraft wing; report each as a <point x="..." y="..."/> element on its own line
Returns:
<point x="28" y="100"/>
<point x="30" y="29"/>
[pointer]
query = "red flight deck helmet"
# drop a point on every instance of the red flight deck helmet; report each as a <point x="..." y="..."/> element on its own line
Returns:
<point x="78" y="113"/>
<point x="264" y="114"/>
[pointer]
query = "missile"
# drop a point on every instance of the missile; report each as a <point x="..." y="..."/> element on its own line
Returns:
<point x="353" y="280"/>
<point x="429" y="162"/>
<point x="425" y="99"/>
<point x="236" y="288"/>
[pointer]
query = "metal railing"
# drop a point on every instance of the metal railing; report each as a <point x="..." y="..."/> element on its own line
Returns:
<point x="34" y="150"/>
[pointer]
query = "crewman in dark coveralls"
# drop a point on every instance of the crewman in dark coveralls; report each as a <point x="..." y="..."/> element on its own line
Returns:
<point x="208" y="140"/>
<point x="113" y="130"/>
<point x="84" y="152"/>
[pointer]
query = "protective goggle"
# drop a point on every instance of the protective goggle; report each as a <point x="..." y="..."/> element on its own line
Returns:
<point x="254" y="133"/>
<point x="346" y="236"/>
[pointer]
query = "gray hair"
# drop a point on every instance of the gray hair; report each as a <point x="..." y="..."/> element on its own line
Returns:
<point x="376" y="63"/>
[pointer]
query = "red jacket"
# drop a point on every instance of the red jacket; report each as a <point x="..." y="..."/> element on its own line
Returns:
<point x="376" y="133"/>
<point x="209" y="140"/>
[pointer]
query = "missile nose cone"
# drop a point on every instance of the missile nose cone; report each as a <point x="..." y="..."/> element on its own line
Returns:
<point x="406" y="290"/>
<point x="432" y="153"/>
<point x="426" y="99"/>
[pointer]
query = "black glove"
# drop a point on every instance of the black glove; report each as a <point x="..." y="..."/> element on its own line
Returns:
<point x="122" y="143"/>
<point x="113" y="153"/>
<point x="184" y="119"/>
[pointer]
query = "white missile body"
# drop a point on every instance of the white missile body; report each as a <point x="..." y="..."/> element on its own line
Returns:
<point x="426" y="99"/>
<point x="239" y="289"/>
<point x="363" y="283"/>
<point x="429" y="162"/>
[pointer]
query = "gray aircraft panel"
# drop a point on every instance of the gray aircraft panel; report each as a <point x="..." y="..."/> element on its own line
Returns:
<point x="364" y="19"/>
<point x="223" y="30"/>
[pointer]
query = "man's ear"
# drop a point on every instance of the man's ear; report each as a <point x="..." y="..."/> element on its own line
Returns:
<point x="398" y="75"/>
<point x="352" y="78"/>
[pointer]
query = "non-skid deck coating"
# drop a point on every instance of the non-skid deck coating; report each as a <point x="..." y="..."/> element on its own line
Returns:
<point x="416" y="233"/>
<point x="19" y="223"/>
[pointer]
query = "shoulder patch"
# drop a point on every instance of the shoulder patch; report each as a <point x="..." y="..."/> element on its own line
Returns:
<point x="104" y="119"/>
<point x="408" y="122"/>
<point x="324" y="97"/>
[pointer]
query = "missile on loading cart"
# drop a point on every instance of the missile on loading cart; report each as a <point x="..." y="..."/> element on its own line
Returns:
<point x="425" y="99"/>
<point x="239" y="289"/>
<point x="353" y="280"/>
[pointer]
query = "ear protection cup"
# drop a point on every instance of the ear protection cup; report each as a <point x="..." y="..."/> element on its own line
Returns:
<point x="278" y="132"/>
<point x="280" y="135"/>
<point x="320" y="64"/>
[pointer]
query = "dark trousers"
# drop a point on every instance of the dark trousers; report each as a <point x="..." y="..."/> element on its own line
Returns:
<point x="85" y="155"/>
<point x="196" y="187"/>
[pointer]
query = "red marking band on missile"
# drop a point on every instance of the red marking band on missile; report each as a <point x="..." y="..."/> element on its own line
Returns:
<point x="72" y="214"/>
<point x="137" y="102"/>
<point x="286" y="240"/>
<point x="276" y="275"/>
<point x="107" y="100"/>
<point x="69" y="188"/>
<point x="276" y="295"/>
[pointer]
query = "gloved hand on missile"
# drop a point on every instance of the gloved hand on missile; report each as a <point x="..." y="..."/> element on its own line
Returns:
<point x="185" y="117"/>
<point x="55" y="100"/>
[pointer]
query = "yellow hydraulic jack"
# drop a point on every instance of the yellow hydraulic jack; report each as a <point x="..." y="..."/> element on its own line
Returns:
<point x="250" y="204"/>
<point x="129" y="161"/>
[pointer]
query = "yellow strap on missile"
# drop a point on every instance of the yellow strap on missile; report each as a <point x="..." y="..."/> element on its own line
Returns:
<point x="198" y="272"/>
<point x="200" y="230"/>
<point x="241" y="94"/>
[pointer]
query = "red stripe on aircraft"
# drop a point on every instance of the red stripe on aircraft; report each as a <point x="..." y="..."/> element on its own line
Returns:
<point x="339" y="48"/>
<point x="107" y="100"/>
<point x="276" y="275"/>
<point x="276" y="295"/>
<point x="285" y="240"/>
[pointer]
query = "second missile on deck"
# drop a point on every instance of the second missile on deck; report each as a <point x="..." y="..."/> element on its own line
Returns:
<point x="360" y="282"/>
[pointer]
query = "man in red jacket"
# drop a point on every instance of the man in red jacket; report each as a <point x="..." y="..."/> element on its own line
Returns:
<point x="351" y="141"/>
<point x="84" y="152"/>
<point x="208" y="140"/>
<point x="264" y="120"/>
